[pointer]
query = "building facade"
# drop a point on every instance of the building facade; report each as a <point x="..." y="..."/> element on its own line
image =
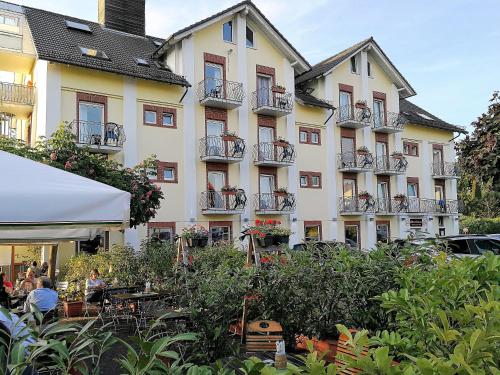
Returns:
<point x="244" y="128"/>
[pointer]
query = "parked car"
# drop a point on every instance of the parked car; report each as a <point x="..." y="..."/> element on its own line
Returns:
<point x="494" y="236"/>
<point x="472" y="245"/>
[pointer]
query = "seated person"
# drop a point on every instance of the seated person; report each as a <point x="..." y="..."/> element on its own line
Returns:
<point x="6" y="283"/>
<point x="94" y="287"/>
<point x="28" y="284"/>
<point x="44" y="269"/>
<point x="43" y="297"/>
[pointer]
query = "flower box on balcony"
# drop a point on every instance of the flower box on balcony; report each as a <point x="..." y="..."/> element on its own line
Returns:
<point x="397" y="155"/>
<point x="229" y="137"/>
<point x="360" y="104"/>
<point x="362" y="151"/>
<point x="281" y="143"/>
<point x="278" y="89"/>
<point x="364" y="195"/>
<point x="280" y="192"/>
<point x="400" y="198"/>
<point x="228" y="190"/>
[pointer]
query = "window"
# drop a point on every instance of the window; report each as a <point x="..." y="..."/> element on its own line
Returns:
<point x="78" y="26"/>
<point x="250" y="38"/>
<point x="162" y="231"/>
<point x="95" y="53"/>
<point x="227" y="31"/>
<point x="483" y="246"/>
<point x="310" y="136"/>
<point x="383" y="233"/>
<point x="312" y="231"/>
<point x="167" y="119"/>
<point x="140" y="61"/>
<point x="220" y="232"/>
<point x="354" y="64"/>
<point x="167" y="172"/>
<point x="150" y="117"/>
<point x="440" y="221"/>
<point x="369" y="68"/>
<point x="410" y="149"/>
<point x="310" y="180"/>
<point x="412" y="188"/>
<point x="9" y="21"/>
<point x="351" y="233"/>
<point x="459" y="247"/>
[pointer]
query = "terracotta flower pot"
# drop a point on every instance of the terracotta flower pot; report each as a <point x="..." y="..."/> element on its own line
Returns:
<point x="280" y="194"/>
<point x="229" y="138"/>
<point x="72" y="309"/>
<point x="327" y="347"/>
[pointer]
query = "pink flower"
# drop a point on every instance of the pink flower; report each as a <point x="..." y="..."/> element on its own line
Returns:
<point x="53" y="156"/>
<point x="68" y="165"/>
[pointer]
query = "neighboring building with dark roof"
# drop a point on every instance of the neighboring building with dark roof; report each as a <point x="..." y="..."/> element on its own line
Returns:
<point x="229" y="102"/>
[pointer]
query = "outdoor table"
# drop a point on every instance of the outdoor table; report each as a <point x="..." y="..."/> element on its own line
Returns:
<point x="133" y="297"/>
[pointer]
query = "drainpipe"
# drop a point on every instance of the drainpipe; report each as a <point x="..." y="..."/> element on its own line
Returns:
<point x="183" y="95"/>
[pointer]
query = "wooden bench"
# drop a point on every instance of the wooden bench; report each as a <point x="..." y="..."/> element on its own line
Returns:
<point x="262" y="335"/>
<point x="343" y="348"/>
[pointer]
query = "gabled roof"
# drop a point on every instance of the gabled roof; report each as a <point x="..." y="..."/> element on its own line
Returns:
<point x="54" y="41"/>
<point x="378" y="54"/>
<point x="257" y="16"/>
<point x="308" y="99"/>
<point x="419" y="116"/>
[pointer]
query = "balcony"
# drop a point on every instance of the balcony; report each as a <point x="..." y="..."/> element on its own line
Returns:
<point x="354" y="206"/>
<point x="412" y="206"/>
<point x="389" y="122"/>
<point x="274" y="154"/>
<point x="223" y="203"/>
<point x="446" y="207"/>
<point x="445" y="170"/>
<point x="272" y="102"/>
<point x="354" y="117"/>
<point x="274" y="203"/>
<point x="16" y="99"/>
<point x="6" y="126"/>
<point x="384" y="207"/>
<point x="390" y="165"/>
<point x="222" y="149"/>
<point x="354" y="162"/>
<point x="219" y="93"/>
<point x="101" y="137"/>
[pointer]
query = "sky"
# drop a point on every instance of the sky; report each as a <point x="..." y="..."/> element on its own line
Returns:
<point x="449" y="50"/>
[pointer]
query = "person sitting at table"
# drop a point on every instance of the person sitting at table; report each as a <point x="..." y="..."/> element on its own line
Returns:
<point x="7" y="284"/>
<point x="36" y="270"/>
<point x="44" y="269"/>
<point x="94" y="287"/>
<point x="28" y="284"/>
<point x="43" y="297"/>
<point x="4" y="296"/>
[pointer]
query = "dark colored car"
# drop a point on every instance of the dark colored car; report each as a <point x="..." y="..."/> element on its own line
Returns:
<point x="472" y="245"/>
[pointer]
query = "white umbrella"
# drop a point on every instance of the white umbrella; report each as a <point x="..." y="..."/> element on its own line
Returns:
<point x="39" y="203"/>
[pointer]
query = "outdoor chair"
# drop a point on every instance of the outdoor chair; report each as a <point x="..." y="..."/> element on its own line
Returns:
<point x="346" y="350"/>
<point x="262" y="335"/>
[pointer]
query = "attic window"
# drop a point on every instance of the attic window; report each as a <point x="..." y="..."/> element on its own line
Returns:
<point x="250" y="38"/>
<point x="98" y="54"/>
<point x="78" y="26"/>
<point x="141" y="62"/>
<point x="425" y="116"/>
<point x="354" y="64"/>
<point x="157" y="43"/>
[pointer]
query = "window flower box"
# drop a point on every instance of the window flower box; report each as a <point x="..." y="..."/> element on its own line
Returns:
<point x="400" y="198"/>
<point x="278" y="89"/>
<point x="280" y="142"/>
<point x="364" y="195"/>
<point x="363" y="150"/>
<point x="281" y="192"/>
<point x="360" y="104"/>
<point x="229" y="190"/>
<point x="229" y="137"/>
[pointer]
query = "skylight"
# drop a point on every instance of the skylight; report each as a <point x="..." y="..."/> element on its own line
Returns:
<point x="157" y="43"/>
<point x="425" y="116"/>
<point x="90" y="52"/>
<point x="78" y="26"/>
<point x="141" y="61"/>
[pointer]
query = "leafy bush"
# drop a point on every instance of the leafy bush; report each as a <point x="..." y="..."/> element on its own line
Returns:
<point x="480" y="225"/>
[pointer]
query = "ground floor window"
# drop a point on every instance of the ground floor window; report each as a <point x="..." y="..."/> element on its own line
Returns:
<point x="164" y="231"/>
<point x="220" y="232"/>
<point x="352" y="237"/>
<point x="383" y="232"/>
<point x="312" y="231"/>
<point x="101" y="241"/>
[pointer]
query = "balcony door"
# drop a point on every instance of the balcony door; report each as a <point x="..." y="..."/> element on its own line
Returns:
<point x="349" y="194"/>
<point x="347" y="147"/>
<point x="345" y="104"/>
<point x="214" y="74"/>
<point x="90" y="122"/>
<point x="381" y="149"/>
<point x="437" y="161"/>
<point x="383" y="196"/>
<point x="267" y="184"/>
<point x="266" y="139"/>
<point x="216" y="181"/>
<point x="412" y="193"/>
<point x="264" y="84"/>
<point x="440" y="198"/>
<point x="215" y="145"/>
<point x="378" y="113"/>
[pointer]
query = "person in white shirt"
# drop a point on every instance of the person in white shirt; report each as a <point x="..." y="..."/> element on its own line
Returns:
<point x="43" y="297"/>
<point x="94" y="287"/>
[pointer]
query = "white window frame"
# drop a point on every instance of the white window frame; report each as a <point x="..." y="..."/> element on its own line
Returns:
<point x="224" y="234"/>
<point x="232" y="31"/>
<point x="318" y="228"/>
<point x="318" y="179"/>
<point x="313" y="136"/>
<point x="356" y="64"/>
<point x="302" y="133"/>
<point x="173" y="174"/>
<point x="304" y="178"/>
<point x="146" y="118"/>
<point x="369" y="68"/>
<point x="253" y="36"/>
<point x="156" y="232"/>
<point x="167" y="114"/>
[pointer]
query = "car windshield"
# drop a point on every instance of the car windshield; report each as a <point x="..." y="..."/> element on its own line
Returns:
<point x="484" y="245"/>
<point x="458" y="246"/>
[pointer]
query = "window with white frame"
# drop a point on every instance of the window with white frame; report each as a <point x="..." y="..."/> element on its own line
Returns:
<point x="220" y="233"/>
<point x="169" y="174"/>
<point x="165" y="234"/>
<point x="150" y="117"/>
<point x="303" y="136"/>
<point x="227" y="31"/>
<point x="303" y="181"/>
<point x="312" y="231"/>
<point x="354" y="64"/>
<point x="369" y="68"/>
<point x="250" y="38"/>
<point x="167" y="119"/>
<point x="315" y="138"/>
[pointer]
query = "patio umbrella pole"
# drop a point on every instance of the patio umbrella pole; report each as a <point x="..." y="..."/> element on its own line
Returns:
<point x="244" y="318"/>
<point x="52" y="262"/>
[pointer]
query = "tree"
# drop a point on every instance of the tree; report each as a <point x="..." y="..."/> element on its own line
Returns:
<point x="60" y="151"/>
<point x="479" y="159"/>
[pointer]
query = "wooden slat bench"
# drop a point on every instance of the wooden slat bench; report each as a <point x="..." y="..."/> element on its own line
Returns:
<point x="262" y="335"/>
<point x="343" y="348"/>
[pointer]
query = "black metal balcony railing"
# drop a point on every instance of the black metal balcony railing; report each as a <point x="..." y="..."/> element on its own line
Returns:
<point x="98" y="133"/>
<point x="390" y="164"/>
<point x="352" y="113"/>
<point x="356" y="205"/>
<point x="273" y="152"/>
<point x="220" y="89"/>
<point x="216" y="146"/>
<point x="17" y="94"/>
<point x="413" y="205"/>
<point x="354" y="160"/>
<point x="384" y="206"/>
<point x="274" y="202"/>
<point x="390" y="120"/>
<point x="269" y="98"/>
<point x="223" y="202"/>
<point x="448" y="206"/>
<point x="450" y="169"/>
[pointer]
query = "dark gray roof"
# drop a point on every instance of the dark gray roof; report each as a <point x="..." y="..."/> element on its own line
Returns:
<point x="55" y="42"/>
<point x="309" y="99"/>
<point x="419" y="116"/>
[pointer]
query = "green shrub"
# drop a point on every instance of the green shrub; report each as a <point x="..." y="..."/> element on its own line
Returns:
<point x="480" y="225"/>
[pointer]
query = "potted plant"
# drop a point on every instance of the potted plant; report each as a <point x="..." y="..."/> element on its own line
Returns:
<point x="281" y="192"/>
<point x="360" y="104"/>
<point x="195" y="235"/>
<point x="229" y="190"/>
<point x="364" y="195"/>
<point x="73" y="301"/>
<point x="262" y="232"/>
<point x="363" y="150"/>
<point x="278" y="89"/>
<point x="397" y="155"/>
<point x="281" y="235"/>
<point x="229" y="136"/>
<point x="281" y="142"/>
<point x="400" y="197"/>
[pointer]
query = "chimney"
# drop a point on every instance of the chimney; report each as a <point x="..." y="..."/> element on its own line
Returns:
<point x="128" y="16"/>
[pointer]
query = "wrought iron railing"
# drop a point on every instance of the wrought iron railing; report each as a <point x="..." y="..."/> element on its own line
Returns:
<point x="413" y="205"/>
<point x="220" y="89"/>
<point x="268" y="98"/>
<point x="448" y="206"/>
<point x="352" y="113"/>
<point x="98" y="133"/>
<point x="6" y="128"/>
<point x="222" y="201"/>
<point x="18" y="94"/>
<point x="220" y="146"/>
<point x="274" y="202"/>
<point x="384" y="205"/>
<point x="274" y="152"/>
<point x="357" y="205"/>
<point x="389" y="120"/>
<point x="386" y="163"/>
<point x="445" y="169"/>
<point x="355" y="160"/>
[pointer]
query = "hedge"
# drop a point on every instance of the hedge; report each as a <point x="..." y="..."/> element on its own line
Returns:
<point x="480" y="225"/>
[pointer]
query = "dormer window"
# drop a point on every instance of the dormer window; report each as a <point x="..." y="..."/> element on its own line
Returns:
<point x="9" y="21"/>
<point x="95" y="53"/>
<point x="78" y="26"/>
<point x="250" y="38"/>
<point x="354" y="64"/>
<point x="369" y="68"/>
<point x="227" y="31"/>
